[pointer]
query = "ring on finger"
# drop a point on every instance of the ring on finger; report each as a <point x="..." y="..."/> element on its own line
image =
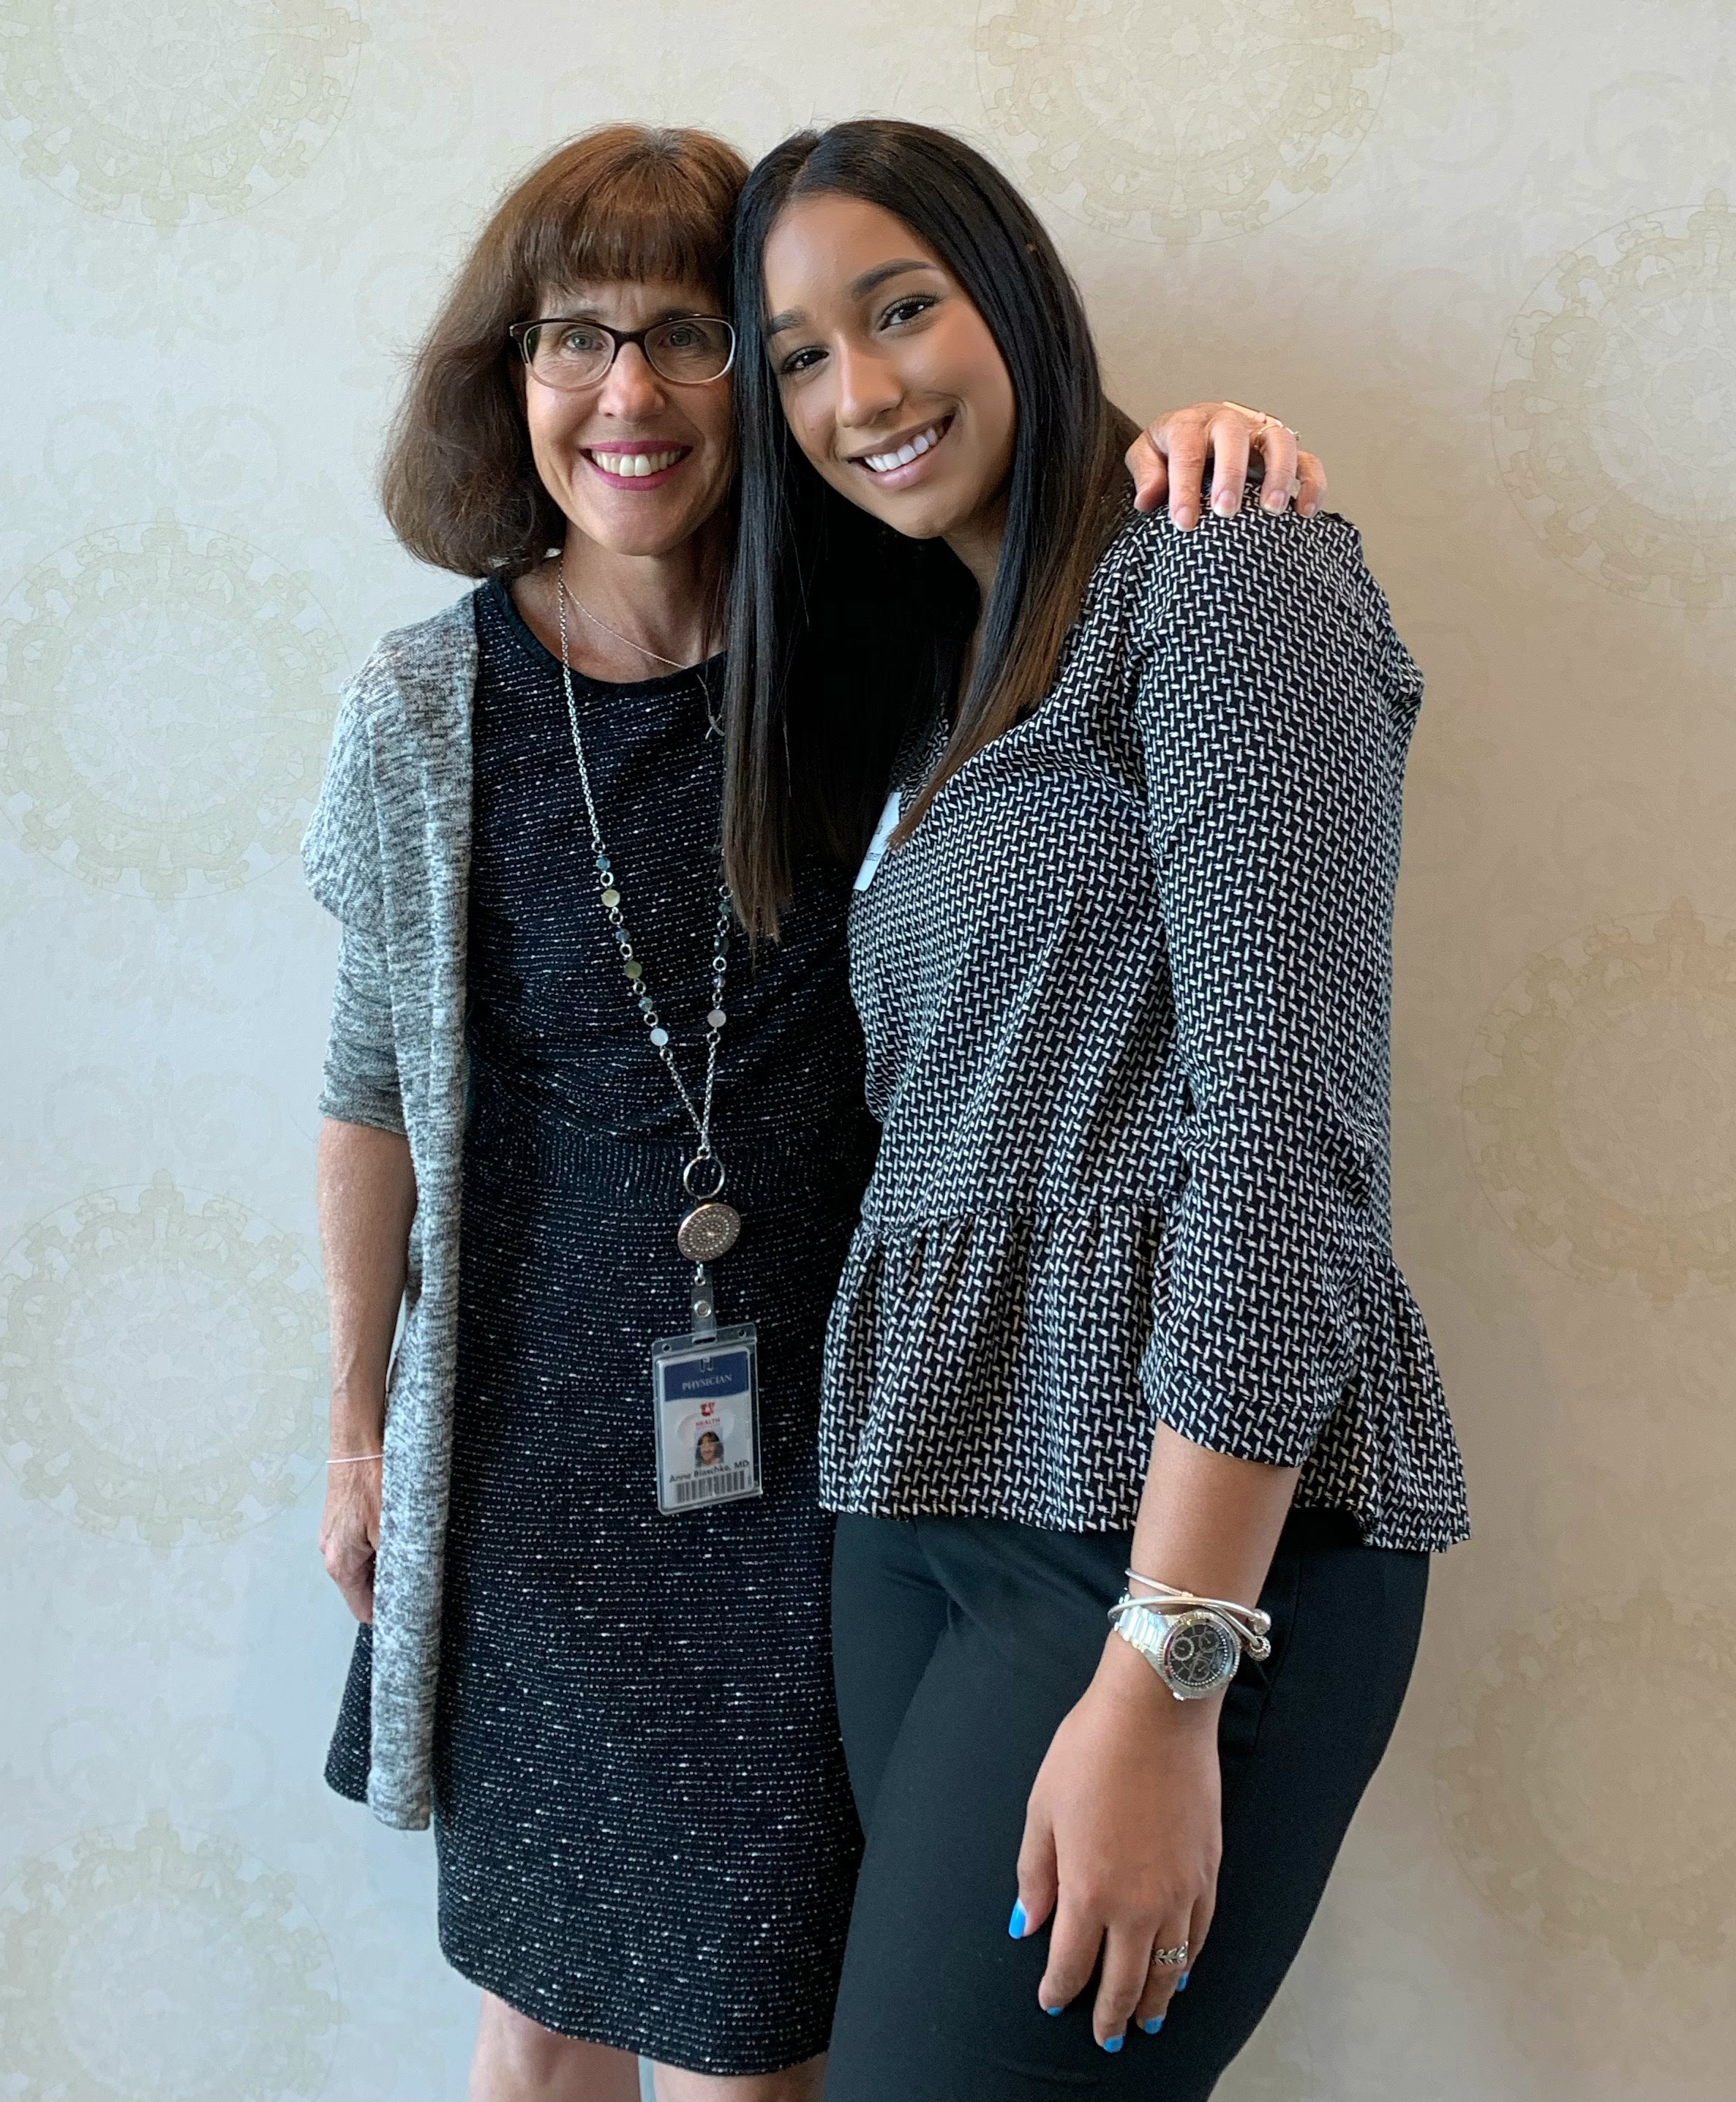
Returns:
<point x="1169" y="1959"/>
<point x="1261" y="419"/>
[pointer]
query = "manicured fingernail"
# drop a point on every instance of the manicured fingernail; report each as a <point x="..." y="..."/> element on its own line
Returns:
<point x="1181" y="1983"/>
<point x="1054" y="2010"/>
<point x="1223" y="504"/>
<point x="1308" y="510"/>
<point x="1183" y="514"/>
<point x="1114" y="2042"/>
<point x="1154" y="2025"/>
<point x="1016" y="1925"/>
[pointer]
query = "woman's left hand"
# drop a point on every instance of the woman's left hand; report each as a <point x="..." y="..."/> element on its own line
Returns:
<point x="1123" y="1837"/>
<point x="1169" y="459"/>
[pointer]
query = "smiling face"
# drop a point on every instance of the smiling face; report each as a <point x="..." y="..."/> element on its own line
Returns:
<point x="638" y="462"/>
<point x="895" y="389"/>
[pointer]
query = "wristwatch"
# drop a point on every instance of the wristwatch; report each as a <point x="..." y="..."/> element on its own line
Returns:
<point x="1193" y="1652"/>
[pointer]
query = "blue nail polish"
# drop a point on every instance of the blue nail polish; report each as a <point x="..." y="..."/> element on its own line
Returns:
<point x="1154" y="2025"/>
<point x="1016" y="1925"/>
<point x="1054" y="2010"/>
<point x="1181" y="1983"/>
<point x="1114" y="2043"/>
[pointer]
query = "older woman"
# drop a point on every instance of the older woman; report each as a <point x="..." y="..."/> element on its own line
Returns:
<point x="598" y="1651"/>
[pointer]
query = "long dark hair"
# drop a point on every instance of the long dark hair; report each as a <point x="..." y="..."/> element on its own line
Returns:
<point x="841" y="632"/>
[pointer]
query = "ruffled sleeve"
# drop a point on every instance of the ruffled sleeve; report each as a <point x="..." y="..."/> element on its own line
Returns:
<point x="1275" y="705"/>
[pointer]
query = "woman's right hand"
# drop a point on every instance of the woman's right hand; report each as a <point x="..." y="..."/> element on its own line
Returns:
<point x="1123" y="1832"/>
<point x="350" y="1530"/>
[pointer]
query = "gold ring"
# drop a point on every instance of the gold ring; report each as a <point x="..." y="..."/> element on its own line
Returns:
<point x="1261" y="419"/>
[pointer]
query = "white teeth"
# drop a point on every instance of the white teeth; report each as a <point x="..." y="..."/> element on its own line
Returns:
<point x="633" y="464"/>
<point x="912" y="449"/>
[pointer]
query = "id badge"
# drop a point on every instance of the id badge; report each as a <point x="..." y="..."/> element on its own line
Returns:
<point x="877" y="845"/>
<point x="706" y="1399"/>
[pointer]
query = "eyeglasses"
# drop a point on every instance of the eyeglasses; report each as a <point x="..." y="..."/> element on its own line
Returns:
<point x="569" y="354"/>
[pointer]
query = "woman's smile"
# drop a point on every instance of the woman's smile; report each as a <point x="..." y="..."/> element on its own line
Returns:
<point x="902" y="460"/>
<point x="644" y="465"/>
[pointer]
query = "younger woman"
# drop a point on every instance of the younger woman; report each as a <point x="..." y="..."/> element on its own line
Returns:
<point x="1120" y="1331"/>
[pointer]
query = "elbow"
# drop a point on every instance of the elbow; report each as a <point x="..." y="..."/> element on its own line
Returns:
<point x="372" y="1103"/>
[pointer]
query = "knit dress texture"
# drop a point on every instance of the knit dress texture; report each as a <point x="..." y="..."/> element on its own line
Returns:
<point x="644" y="1830"/>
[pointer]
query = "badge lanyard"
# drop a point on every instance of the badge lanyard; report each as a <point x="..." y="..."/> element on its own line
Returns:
<point x="705" y="1384"/>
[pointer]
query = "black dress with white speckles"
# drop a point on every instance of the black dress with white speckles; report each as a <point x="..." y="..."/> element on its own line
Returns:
<point x="645" y="1828"/>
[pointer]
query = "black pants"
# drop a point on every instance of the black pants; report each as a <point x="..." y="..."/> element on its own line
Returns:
<point x="959" y="1645"/>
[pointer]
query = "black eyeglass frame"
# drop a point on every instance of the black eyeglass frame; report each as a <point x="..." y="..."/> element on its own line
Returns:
<point x="520" y="334"/>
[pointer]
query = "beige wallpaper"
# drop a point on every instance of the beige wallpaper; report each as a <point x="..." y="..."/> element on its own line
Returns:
<point x="1483" y="254"/>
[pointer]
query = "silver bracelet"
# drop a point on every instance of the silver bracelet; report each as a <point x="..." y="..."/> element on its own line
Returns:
<point x="1252" y="1624"/>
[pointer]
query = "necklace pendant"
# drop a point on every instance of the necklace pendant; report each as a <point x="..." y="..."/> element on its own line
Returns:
<point x="711" y="1230"/>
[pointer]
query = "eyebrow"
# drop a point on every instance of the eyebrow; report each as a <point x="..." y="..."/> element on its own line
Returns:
<point x="858" y="288"/>
<point x="590" y="310"/>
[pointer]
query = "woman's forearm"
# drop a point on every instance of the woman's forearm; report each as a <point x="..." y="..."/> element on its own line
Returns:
<point x="367" y="1198"/>
<point x="1208" y="1523"/>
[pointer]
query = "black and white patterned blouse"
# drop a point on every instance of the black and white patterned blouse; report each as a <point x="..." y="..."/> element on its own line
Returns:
<point x="1127" y="996"/>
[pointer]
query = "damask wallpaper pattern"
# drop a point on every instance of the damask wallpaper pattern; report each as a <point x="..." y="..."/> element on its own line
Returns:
<point x="1483" y="254"/>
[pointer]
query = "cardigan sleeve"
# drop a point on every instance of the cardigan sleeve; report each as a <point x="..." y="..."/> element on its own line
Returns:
<point x="1275" y="705"/>
<point x="341" y="858"/>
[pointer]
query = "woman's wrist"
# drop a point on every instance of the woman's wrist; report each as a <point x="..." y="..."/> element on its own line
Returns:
<point x="1129" y="1679"/>
<point x="358" y="1424"/>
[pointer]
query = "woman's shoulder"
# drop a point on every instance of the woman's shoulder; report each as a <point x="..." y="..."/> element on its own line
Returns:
<point x="1152" y="560"/>
<point x="419" y="666"/>
<point x="1257" y="574"/>
<point x="1263" y="601"/>
<point x="404" y="716"/>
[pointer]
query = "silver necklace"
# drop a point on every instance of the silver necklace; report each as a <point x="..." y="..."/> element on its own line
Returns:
<point x="712" y="1228"/>
<point x="643" y="649"/>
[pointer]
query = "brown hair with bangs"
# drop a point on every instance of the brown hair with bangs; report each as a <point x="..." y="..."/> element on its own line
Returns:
<point x="625" y="203"/>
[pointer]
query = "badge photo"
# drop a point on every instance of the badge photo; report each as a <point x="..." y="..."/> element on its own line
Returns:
<point x="706" y="1431"/>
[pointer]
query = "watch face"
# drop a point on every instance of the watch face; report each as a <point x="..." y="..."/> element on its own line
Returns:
<point x="1200" y="1654"/>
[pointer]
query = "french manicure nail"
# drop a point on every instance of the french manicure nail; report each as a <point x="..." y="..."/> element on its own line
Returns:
<point x="1016" y="1925"/>
<point x="1114" y="2042"/>
<point x="1154" y="2025"/>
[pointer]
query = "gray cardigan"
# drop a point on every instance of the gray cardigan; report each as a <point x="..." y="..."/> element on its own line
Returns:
<point x="388" y="853"/>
